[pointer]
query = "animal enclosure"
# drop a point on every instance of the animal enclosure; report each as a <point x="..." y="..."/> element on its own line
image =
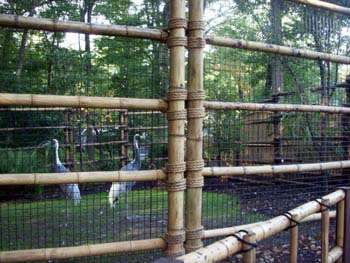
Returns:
<point x="134" y="130"/>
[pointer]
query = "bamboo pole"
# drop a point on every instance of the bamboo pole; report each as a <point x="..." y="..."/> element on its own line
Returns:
<point x="49" y="254"/>
<point x="219" y="232"/>
<point x="81" y="177"/>
<point x="326" y="5"/>
<point x="340" y="226"/>
<point x="230" y="245"/>
<point x="335" y="254"/>
<point x="79" y="27"/>
<point x="195" y="115"/>
<point x="325" y="230"/>
<point x="176" y="114"/>
<point x="250" y="255"/>
<point x="218" y="105"/>
<point x="274" y="169"/>
<point x="346" y="242"/>
<point x="33" y="100"/>
<point x="294" y="235"/>
<point x="275" y="49"/>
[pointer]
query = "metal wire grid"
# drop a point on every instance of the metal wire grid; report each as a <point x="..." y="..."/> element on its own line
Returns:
<point x="40" y="216"/>
<point x="240" y="75"/>
<point x="247" y="138"/>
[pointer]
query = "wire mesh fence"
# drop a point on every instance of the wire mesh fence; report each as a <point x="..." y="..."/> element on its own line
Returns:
<point x="41" y="62"/>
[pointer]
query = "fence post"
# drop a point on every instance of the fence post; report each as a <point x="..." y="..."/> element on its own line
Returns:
<point x="176" y="114"/>
<point x="195" y="114"/>
<point x="346" y="242"/>
<point x="294" y="234"/>
<point x="325" y="230"/>
<point x="340" y="226"/>
<point x="250" y="255"/>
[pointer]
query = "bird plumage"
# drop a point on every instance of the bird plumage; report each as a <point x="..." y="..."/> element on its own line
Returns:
<point x="71" y="191"/>
<point x="118" y="188"/>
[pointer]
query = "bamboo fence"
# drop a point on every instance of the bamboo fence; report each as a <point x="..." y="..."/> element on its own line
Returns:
<point x="218" y="105"/>
<point x="57" y="101"/>
<point x="154" y="175"/>
<point x="48" y="254"/>
<point x="176" y="114"/>
<point x="175" y="240"/>
<point x="326" y="5"/>
<point x="81" y="177"/>
<point x="227" y="231"/>
<point x="274" y="169"/>
<point x="275" y="49"/>
<point x="79" y="27"/>
<point x="33" y="100"/>
<point x="222" y="249"/>
<point x="195" y="115"/>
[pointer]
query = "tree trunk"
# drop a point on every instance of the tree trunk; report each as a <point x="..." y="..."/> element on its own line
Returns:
<point x="86" y="17"/>
<point x="276" y="76"/>
<point x="21" y="55"/>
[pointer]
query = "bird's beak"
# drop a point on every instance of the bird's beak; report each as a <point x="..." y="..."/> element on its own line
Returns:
<point x="44" y="144"/>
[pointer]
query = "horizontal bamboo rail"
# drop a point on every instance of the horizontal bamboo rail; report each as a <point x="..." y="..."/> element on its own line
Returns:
<point x="48" y="254"/>
<point x="33" y="100"/>
<point x="275" y="49"/>
<point x="226" y="231"/>
<point x="81" y="177"/>
<point x="218" y="105"/>
<point x="153" y="175"/>
<point x="79" y="27"/>
<point x="224" y="248"/>
<point x="326" y="5"/>
<point x="274" y="169"/>
<point x="334" y="254"/>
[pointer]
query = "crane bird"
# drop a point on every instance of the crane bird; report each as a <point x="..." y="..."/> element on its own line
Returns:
<point x="71" y="191"/>
<point x="139" y="154"/>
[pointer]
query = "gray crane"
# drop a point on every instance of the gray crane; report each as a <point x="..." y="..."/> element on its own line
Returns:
<point x="139" y="154"/>
<point x="71" y="191"/>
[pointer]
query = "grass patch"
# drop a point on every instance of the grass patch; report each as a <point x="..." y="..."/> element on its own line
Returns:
<point x="57" y="222"/>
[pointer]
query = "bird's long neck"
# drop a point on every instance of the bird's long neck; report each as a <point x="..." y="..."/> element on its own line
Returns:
<point x="56" y="157"/>
<point x="137" y="156"/>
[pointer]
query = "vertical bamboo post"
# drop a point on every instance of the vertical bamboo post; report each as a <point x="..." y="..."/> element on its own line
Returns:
<point x="325" y="230"/>
<point x="294" y="234"/>
<point x="195" y="115"/>
<point x="250" y="255"/>
<point x="340" y="226"/>
<point x="124" y="136"/>
<point x="346" y="242"/>
<point x="176" y="114"/>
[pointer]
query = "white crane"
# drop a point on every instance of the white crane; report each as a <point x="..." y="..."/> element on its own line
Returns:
<point x="117" y="189"/>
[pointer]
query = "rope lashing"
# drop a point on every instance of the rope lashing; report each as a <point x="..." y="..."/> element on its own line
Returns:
<point x="289" y="216"/>
<point x="323" y="206"/>
<point x="252" y="245"/>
